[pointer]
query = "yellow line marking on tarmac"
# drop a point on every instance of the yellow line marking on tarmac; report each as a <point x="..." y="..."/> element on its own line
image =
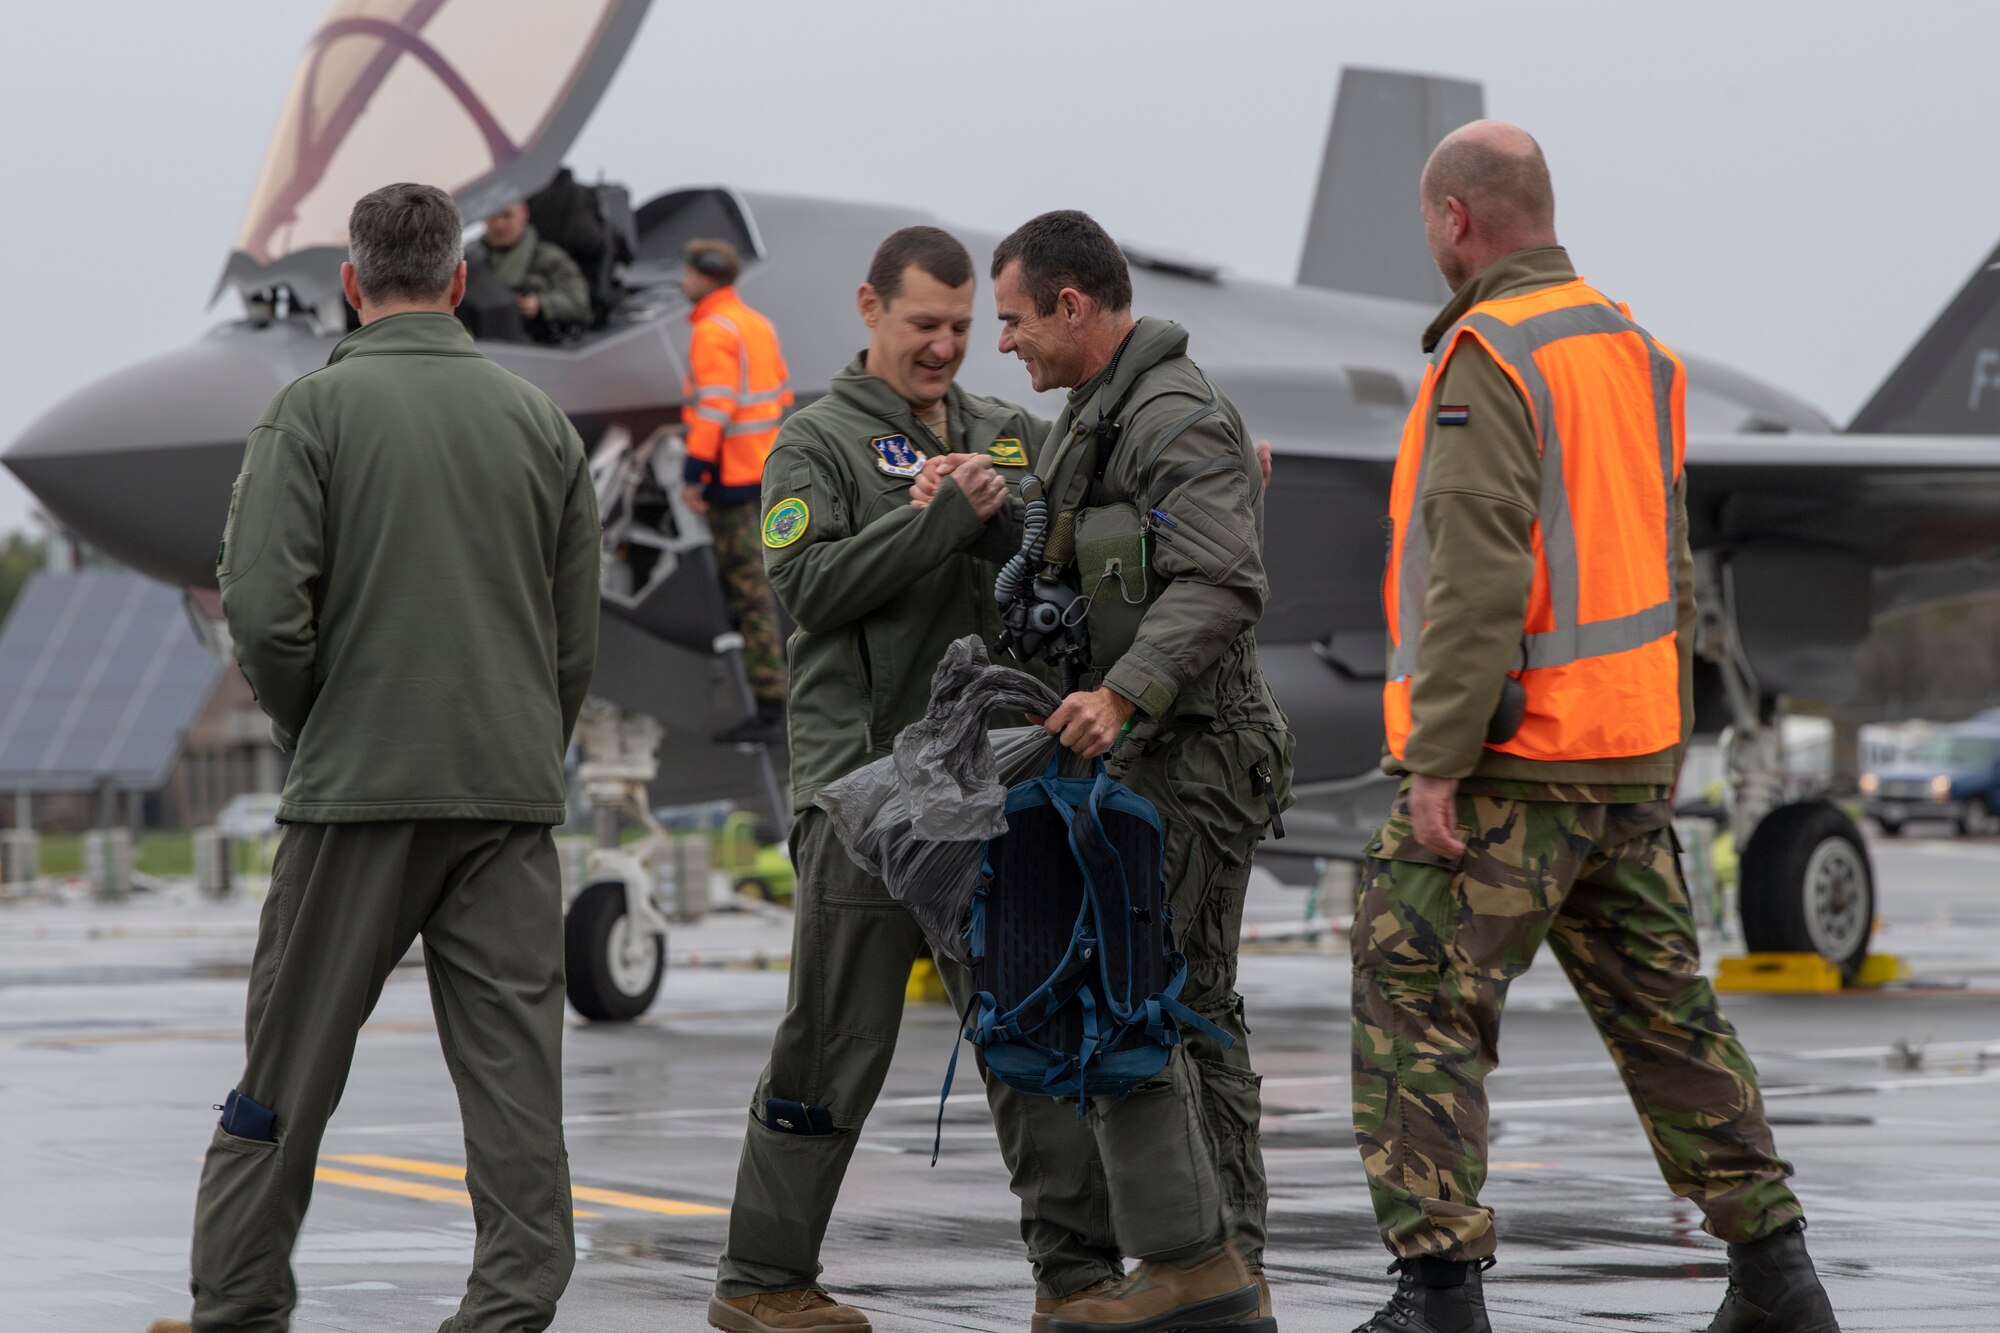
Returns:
<point x="406" y="1189"/>
<point x="643" y="1203"/>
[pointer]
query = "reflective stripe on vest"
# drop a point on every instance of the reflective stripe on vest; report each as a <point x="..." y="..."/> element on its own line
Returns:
<point x="743" y="415"/>
<point x="1564" y="636"/>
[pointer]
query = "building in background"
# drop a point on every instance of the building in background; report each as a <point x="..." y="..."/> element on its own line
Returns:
<point x="113" y="712"/>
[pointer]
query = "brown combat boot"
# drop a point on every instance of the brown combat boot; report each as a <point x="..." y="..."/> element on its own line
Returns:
<point x="171" y="1326"/>
<point x="1217" y="1289"/>
<point x="800" y="1311"/>
<point x="1046" y="1306"/>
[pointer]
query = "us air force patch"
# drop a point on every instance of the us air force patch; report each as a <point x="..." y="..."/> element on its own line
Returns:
<point x="1453" y="416"/>
<point x="896" y="456"/>
<point x="786" y="522"/>
<point x="1007" y="453"/>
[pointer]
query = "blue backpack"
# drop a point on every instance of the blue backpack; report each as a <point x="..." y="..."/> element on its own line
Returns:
<point x="1071" y="943"/>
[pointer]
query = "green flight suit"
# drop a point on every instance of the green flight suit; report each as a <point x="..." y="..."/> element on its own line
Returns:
<point x="532" y="264"/>
<point x="1209" y="747"/>
<point x="426" y="663"/>
<point x="879" y="589"/>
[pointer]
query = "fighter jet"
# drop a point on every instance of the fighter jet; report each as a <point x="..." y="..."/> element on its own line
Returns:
<point x="1804" y="532"/>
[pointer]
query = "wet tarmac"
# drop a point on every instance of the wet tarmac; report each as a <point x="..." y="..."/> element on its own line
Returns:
<point x="120" y="1026"/>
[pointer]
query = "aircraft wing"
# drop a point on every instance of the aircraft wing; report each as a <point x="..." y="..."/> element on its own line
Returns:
<point x="1890" y="499"/>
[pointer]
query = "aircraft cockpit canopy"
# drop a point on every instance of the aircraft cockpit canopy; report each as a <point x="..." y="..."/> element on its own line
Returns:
<point x="482" y="97"/>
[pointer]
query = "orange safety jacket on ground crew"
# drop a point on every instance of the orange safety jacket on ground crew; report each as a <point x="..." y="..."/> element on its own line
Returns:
<point x="1598" y="659"/>
<point x="737" y="393"/>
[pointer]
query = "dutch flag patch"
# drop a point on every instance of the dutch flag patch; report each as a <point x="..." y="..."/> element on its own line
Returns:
<point x="1453" y="416"/>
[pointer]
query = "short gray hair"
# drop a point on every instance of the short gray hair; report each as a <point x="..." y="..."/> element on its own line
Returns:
<point x="405" y="241"/>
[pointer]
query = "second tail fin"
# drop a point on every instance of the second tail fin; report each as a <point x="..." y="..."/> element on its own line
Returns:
<point x="1363" y="236"/>
<point x="1949" y="383"/>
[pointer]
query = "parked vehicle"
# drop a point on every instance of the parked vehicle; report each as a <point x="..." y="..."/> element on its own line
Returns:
<point x="1954" y="775"/>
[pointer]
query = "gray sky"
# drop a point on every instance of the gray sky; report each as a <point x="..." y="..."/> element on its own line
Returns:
<point x="1793" y="188"/>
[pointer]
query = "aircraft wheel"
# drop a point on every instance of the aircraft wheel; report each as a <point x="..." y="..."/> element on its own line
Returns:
<point x="613" y="972"/>
<point x="1891" y="828"/>
<point x="1807" y="886"/>
<point x="1978" y="820"/>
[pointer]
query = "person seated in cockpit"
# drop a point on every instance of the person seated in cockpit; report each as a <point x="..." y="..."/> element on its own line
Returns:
<point x="551" y="297"/>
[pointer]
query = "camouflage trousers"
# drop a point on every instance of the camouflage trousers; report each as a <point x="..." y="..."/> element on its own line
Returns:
<point x="1436" y="944"/>
<point x="739" y="553"/>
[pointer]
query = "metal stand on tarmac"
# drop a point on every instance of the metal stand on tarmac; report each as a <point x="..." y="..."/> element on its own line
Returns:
<point x="614" y="934"/>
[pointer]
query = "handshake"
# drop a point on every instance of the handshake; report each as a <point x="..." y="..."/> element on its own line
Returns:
<point x="985" y="489"/>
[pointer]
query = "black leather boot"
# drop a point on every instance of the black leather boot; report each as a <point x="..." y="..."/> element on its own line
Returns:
<point x="1434" y="1296"/>
<point x="1773" y="1288"/>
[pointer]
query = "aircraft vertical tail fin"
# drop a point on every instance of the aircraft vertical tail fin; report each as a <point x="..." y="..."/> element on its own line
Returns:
<point x="1363" y="235"/>
<point x="1949" y="383"/>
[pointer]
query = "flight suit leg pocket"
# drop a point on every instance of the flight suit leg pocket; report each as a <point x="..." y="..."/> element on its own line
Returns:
<point x="238" y="1256"/>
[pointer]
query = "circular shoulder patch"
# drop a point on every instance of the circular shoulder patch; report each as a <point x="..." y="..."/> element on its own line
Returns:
<point x="786" y="522"/>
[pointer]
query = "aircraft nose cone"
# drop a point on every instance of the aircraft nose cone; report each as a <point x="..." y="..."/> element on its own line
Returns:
<point x="140" y="463"/>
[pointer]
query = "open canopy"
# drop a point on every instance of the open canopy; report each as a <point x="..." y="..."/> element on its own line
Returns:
<point x="481" y="97"/>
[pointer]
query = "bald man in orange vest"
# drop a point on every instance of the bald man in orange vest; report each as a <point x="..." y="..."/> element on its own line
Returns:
<point x="1540" y="600"/>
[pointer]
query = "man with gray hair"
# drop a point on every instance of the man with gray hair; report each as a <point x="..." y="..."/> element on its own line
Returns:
<point x="409" y="571"/>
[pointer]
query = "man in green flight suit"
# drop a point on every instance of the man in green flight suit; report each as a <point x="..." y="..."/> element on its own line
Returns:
<point x="424" y="662"/>
<point x="888" y="505"/>
<point x="1159" y="518"/>
<point x="549" y="289"/>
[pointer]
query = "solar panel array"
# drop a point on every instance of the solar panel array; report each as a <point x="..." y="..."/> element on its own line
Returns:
<point x="100" y="678"/>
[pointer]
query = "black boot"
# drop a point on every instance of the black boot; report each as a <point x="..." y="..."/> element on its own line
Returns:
<point x="1773" y="1288"/>
<point x="1434" y="1296"/>
<point x="766" y="726"/>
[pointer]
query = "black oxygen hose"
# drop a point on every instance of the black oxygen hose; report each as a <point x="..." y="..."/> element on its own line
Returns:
<point x="1017" y="574"/>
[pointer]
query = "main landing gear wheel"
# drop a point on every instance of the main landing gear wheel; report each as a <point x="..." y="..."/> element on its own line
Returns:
<point x="613" y="971"/>
<point x="1807" y="886"/>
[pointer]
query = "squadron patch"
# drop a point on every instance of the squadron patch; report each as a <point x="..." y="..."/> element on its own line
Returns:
<point x="786" y="522"/>
<point x="896" y="456"/>
<point x="1007" y="453"/>
<point x="1453" y="416"/>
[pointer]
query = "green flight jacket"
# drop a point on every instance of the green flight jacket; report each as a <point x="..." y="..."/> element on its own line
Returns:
<point x="1481" y="496"/>
<point x="532" y="264"/>
<point x="410" y="575"/>
<point x="1184" y="458"/>
<point x="879" y="589"/>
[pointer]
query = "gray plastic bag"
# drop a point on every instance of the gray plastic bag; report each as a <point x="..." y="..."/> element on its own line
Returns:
<point x="916" y="820"/>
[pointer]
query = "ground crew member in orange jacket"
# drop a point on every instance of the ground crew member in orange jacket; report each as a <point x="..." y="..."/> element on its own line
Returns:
<point x="1541" y="617"/>
<point x="737" y="392"/>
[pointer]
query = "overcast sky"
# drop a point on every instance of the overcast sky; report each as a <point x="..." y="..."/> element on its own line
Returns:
<point x="1793" y="188"/>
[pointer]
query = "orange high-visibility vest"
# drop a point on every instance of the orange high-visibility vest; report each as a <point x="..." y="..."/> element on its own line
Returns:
<point x="737" y="391"/>
<point x="1598" y="657"/>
